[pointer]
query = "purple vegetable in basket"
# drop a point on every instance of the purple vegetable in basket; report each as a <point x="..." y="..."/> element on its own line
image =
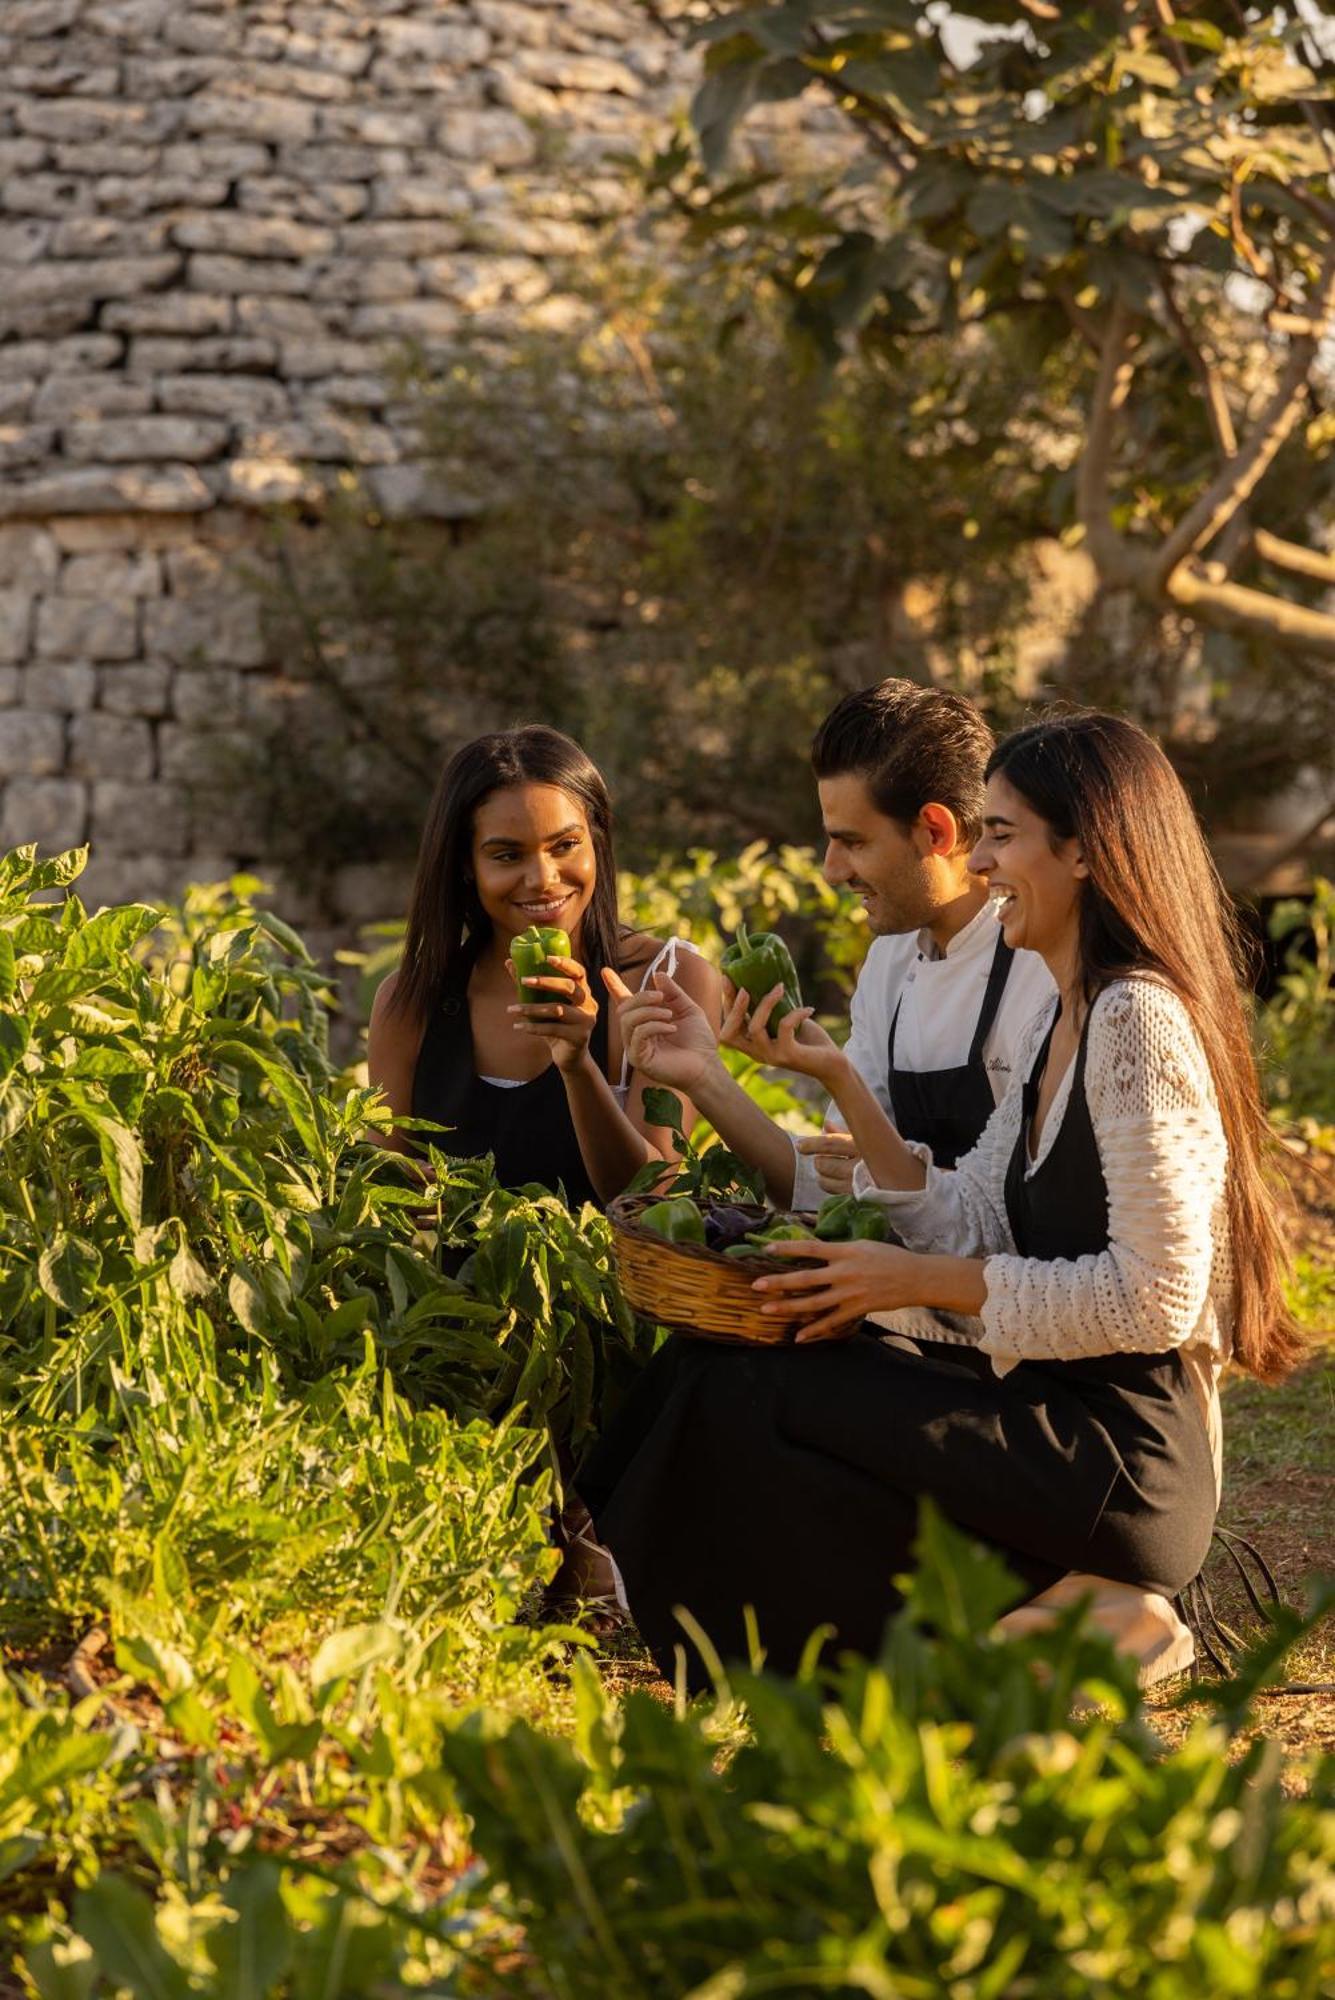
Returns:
<point x="725" y="1225"/>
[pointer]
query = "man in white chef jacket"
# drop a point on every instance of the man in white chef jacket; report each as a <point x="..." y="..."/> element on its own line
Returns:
<point x="941" y="1002"/>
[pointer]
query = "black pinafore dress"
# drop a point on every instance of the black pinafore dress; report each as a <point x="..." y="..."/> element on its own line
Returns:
<point x="789" y="1478"/>
<point x="527" y="1127"/>
<point x="946" y="1109"/>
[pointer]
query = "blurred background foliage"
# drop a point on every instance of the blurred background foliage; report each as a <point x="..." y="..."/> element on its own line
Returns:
<point x="681" y="531"/>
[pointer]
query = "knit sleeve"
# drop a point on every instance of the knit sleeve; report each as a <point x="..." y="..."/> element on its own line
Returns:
<point x="961" y="1212"/>
<point x="1161" y="1143"/>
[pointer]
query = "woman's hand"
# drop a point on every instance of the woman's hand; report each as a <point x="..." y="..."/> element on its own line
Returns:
<point x="562" y="1011"/>
<point x="797" y="1043"/>
<point x="848" y="1281"/>
<point x="666" y="1036"/>
<point x="836" y="1156"/>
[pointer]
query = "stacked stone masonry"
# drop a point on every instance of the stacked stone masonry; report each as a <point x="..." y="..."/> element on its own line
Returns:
<point x="219" y="221"/>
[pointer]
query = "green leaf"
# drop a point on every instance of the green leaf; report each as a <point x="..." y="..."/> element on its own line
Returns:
<point x="116" y="1919"/>
<point x="68" y="1270"/>
<point x="246" y="1297"/>
<point x="171" y="1578"/>
<point x="664" y="1107"/>
<point x="58" y="870"/>
<point x="723" y="99"/>
<point x="8" y="975"/>
<point x="111" y="934"/>
<point x="192" y="1720"/>
<point x="252" y="1953"/>
<point x="1200" y="34"/>
<point x="354" y="1649"/>
<point x="15" y="1108"/>
<point x="61" y="1969"/>
<point x="959" y="1587"/>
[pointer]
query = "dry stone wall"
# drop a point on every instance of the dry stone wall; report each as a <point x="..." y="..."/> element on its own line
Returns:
<point x="218" y="220"/>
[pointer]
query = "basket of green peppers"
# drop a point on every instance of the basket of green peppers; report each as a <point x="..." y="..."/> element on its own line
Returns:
<point x="689" y="1262"/>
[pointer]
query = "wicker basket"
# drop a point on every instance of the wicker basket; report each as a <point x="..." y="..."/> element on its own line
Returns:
<point x="697" y="1291"/>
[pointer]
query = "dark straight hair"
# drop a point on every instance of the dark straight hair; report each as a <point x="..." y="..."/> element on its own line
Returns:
<point x="447" y="926"/>
<point x="1154" y="903"/>
<point x="914" y="746"/>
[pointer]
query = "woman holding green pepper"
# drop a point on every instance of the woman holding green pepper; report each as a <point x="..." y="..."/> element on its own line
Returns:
<point x="497" y="1025"/>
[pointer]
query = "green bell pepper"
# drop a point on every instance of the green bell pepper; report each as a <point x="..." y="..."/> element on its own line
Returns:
<point x="757" y="964"/>
<point x="678" y="1220"/>
<point x="778" y="1231"/>
<point x="529" y="954"/>
<point x="843" y="1218"/>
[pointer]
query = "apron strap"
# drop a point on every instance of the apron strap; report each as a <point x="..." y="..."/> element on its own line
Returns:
<point x="1002" y="960"/>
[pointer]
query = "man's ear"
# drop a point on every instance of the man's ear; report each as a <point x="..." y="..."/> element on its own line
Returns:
<point x="941" y="828"/>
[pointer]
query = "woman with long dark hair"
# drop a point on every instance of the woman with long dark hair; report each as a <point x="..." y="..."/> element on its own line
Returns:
<point x="1113" y="1231"/>
<point x="520" y="833"/>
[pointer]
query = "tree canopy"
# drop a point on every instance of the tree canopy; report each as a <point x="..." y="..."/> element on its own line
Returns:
<point x="1147" y="186"/>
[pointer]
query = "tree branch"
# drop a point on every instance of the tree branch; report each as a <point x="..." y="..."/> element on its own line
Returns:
<point x="1238" y="480"/>
<point x="1292" y="849"/>
<point x="1112" y="556"/>
<point x="1084" y="323"/>
<point x="1177" y="53"/>
<point x="1294" y="558"/>
<point x="1231" y="607"/>
<point x="1212" y="387"/>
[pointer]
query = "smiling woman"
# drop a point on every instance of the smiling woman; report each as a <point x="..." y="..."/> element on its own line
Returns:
<point x="520" y="834"/>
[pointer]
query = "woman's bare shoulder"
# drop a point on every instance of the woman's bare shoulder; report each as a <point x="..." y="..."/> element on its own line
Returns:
<point x="392" y="1024"/>
<point x="637" y="950"/>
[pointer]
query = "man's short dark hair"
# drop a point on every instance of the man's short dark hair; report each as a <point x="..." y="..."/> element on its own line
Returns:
<point x="913" y="746"/>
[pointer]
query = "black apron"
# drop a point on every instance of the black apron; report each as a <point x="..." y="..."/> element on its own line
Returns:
<point x="527" y="1127"/>
<point x="947" y="1109"/>
<point x="789" y="1478"/>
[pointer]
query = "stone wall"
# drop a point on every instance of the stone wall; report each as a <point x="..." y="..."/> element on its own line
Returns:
<point x="218" y="220"/>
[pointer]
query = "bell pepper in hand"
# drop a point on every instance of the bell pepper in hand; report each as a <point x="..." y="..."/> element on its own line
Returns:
<point x="678" y="1220"/>
<point x="843" y="1218"/>
<point x="529" y="954"/>
<point x="756" y="965"/>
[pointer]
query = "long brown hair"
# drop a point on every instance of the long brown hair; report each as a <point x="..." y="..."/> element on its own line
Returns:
<point x="447" y="926"/>
<point x="1154" y="903"/>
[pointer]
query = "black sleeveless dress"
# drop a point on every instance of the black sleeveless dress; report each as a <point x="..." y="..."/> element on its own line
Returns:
<point x="526" y="1126"/>
<point x="789" y="1478"/>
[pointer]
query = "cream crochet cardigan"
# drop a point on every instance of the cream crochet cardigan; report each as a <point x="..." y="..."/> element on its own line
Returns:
<point x="1165" y="1279"/>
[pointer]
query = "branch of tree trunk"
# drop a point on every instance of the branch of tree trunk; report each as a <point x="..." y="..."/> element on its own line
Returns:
<point x="1294" y="848"/>
<point x="1112" y="556"/>
<point x="1238" y="480"/>
<point x="1294" y="558"/>
<point x="1232" y="607"/>
<point x="1212" y="387"/>
<point x="1085" y="323"/>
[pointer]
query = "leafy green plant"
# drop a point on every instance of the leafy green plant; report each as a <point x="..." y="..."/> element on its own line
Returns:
<point x="1296" y="1028"/>
<point x="940" y="1821"/>
<point x="704" y="1171"/>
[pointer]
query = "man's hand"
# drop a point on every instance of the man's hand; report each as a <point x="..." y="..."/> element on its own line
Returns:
<point x="836" y="1155"/>
<point x="666" y="1037"/>
<point x="797" y="1043"/>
